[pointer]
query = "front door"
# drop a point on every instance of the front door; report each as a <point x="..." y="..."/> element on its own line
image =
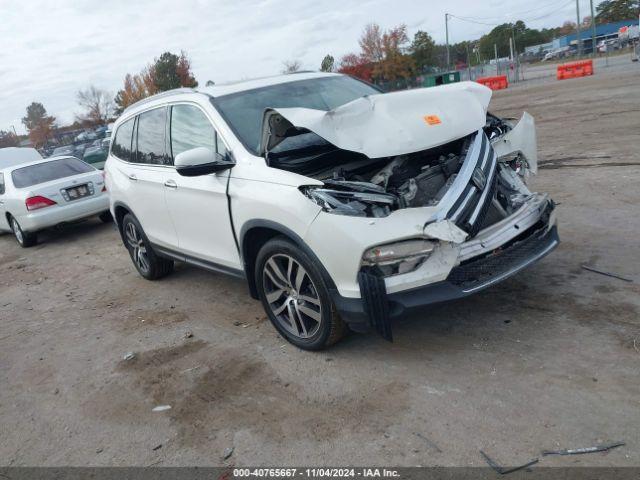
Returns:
<point x="199" y="205"/>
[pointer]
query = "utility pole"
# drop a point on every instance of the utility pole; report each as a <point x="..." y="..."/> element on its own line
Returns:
<point x="578" y="28"/>
<point x="495" y="53"/>
<point x="446" y="29"/>
<point x="593" y="32"/>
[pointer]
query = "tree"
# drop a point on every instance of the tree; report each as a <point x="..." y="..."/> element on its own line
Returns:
<point x="371" y="43"/>
<point x="38" y="124"/>
<point x="423" y="49"/>
<point x="394" y="64"/>
<point x="8" y="139"/>
<point x="523" y="35"/>
<point x="567" y="28"/>
<point x="136" y="87"/>
<point x="356" y="66"/>
<point x="98" y="105"/>
<point x="173" y="71"/>
<point x="291" y="66"/>
<point x="327" y="64"/>
<point x="616" y="10"/>
<point x="165" y="73"/>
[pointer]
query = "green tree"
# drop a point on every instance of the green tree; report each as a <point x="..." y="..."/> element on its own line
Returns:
<point x="423" y="50"/>
<point x="500" y="35"/>
<point x="173" y="71"/>
<point x="38" y="124"/>
<point x="327" y="64"/>
<point x="616" y="10"/>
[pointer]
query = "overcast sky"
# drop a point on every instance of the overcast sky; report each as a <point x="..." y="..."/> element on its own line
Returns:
<point x="50" y="49"/>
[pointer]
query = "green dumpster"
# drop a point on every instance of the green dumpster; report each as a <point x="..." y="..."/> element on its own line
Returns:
<point x="436" y="79"/>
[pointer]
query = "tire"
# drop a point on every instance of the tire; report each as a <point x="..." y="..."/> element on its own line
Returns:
<point x="106" y="217"/>
<point x="148" y="264"/>
<point x="24" y="239"/>
<point x="286" y="292"/>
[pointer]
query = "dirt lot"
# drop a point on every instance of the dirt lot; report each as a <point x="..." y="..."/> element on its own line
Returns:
<point x="548" y="359"/>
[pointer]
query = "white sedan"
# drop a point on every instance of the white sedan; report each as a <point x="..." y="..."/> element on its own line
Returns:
<point x="45" y="193"/>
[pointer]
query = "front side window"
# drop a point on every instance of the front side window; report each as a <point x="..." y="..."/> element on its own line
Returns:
<point x="121" y="144"/>
<point x="190" y="128"/>
<point x="48" y="171"/>
<point x="151" y="137"/>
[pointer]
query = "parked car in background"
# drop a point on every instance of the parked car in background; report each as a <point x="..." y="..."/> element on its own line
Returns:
<point x="39" y="194"/>
<point x="65" y="150"/>
<point x="339" y="205"/>
<point x="96" y="156"/>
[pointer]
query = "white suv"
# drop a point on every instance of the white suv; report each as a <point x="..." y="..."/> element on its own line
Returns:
<point x="339" y="204"/>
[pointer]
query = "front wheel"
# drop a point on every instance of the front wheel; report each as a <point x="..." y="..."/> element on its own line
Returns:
<point x="295" y="296"/>
<point x="148" y="264"/>
<point x="24" y="239"/>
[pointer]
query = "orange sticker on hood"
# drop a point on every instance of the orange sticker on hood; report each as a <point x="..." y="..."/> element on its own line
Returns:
<point x="432" y="119"/>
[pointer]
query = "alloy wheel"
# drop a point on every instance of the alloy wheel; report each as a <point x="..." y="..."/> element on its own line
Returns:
<point x="17" y="231"/>
<point x="138" y="248"/>
<point x="292" y="296"/>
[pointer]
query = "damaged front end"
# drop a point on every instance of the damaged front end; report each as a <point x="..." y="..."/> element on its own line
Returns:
<point x="480" y="219"/>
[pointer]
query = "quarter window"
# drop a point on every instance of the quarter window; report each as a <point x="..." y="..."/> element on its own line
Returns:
<point x="190" y="128"/>
<point x="151" y="143"/>
<point x="121" y="144"/>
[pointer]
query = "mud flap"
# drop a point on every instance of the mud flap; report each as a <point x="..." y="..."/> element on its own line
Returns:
<point x="376" y="305"/>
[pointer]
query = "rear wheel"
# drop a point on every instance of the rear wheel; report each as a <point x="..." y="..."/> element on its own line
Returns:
<point x="295" y="296"/>
<point x="25" y="240"/>
<point x="148" y="264"/>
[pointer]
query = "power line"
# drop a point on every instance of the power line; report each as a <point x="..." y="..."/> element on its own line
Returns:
<point x="479" y="22"/>
<point x="495" y="17"/>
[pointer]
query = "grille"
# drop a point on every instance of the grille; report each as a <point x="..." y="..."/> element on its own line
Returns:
<point x="470" y="210"/>
<point x="476" y="273"/>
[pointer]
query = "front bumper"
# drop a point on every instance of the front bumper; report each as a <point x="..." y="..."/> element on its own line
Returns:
<point x="377" y="308"/>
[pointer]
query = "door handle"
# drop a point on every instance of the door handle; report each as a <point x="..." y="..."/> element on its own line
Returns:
<point x="170" y="184"/>
<point x="132" y="176"/>
<point x="1" y="202"/>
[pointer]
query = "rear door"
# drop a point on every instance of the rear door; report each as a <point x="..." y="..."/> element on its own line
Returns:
<point x="147" y="171"/>
<point x="199" y="205"/>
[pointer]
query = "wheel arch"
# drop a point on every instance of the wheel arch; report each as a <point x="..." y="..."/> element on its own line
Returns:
<point x="120" y="210"/>
<point x="255" y="233"/>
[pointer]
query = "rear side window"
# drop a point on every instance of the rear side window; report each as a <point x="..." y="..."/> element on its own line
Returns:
<point x="151" y="137"/>
<point x="190" y="128"/>
<point x="1" y="183"/>
<point x="121" y="144"/>
<point x="48" y="171"/>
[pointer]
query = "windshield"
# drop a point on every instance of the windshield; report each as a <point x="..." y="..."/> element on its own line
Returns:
<point x="45" y="172"/>
<point x="243" y="111"/>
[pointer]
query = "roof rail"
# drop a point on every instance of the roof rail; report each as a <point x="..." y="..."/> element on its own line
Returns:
<point x="160" y="95"/>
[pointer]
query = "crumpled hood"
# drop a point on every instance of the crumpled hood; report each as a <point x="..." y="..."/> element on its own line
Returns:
<point x="388" y="124"/>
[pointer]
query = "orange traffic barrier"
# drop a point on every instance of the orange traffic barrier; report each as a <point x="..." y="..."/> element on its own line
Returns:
<point x="494" y="83"/>
<point x="581" y="68"/>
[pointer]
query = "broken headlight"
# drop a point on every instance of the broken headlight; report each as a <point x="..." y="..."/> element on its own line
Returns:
<point x="352" y="203"/>
<point x="398" y="258"/>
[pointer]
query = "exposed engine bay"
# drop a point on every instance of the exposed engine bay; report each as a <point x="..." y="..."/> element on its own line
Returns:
<point x="356" y="185"/>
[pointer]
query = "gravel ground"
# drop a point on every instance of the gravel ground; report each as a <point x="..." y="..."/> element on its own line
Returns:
<point x="548" y="359"/>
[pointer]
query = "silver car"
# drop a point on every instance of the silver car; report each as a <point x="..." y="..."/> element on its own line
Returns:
<point x="45" y="193"/>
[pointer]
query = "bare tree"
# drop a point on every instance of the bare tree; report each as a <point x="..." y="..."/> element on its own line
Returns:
<point x="291" y="66"/>
<point x="97" y="104"/>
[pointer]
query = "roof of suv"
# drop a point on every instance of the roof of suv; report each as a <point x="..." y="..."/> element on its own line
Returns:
<point x="234" y="87"/>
